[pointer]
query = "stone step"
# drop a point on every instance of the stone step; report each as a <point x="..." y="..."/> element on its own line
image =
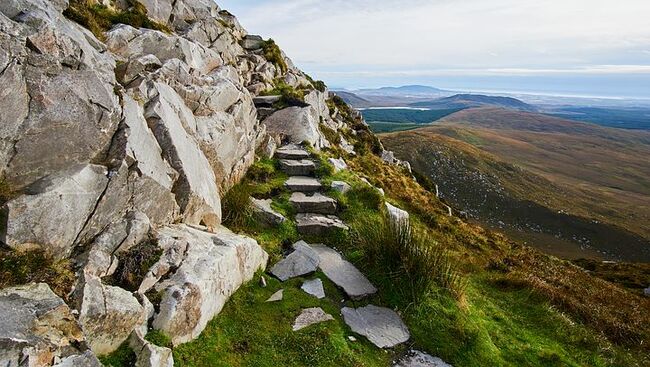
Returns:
<point x="317" y="224"/>
<point x="382" y="326"/>
<point x="316" y="203"/>
<point x="303" y="184"/>
<point x="343" y="273"/>
<point x="291" y="152"/>
<point x="303" y="260"/>
<point x="294" y="167"/>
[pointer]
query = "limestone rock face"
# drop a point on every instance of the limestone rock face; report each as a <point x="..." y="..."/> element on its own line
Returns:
<point x="108" y="315"/>
<point x="297" y="124"/>
<point x="213" y="267"/>
<point x="37" y="326"/>
<point x="71" y="194"/>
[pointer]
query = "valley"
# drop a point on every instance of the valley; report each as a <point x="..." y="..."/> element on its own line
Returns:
<point x="570" y="189"/>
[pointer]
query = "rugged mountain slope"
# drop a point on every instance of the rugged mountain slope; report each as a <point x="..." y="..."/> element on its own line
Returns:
<point x="475" y="100"/>
<point x="549" y="181"/>
<point x="132" y="139"/>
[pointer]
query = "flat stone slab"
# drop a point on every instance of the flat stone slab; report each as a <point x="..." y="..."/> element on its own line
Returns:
<point x="264" y="213"/>
<point x="341" y="186"/>
<point x="295" y="167"/>
<point x="291" y="152"/>
<point x="277" y="296"/>
<point x="303" y="183"/>
<point x="303" y="260"/>
<point x="311" y="316"/>
<point x="382" y="326"/>
<point x="314" y="287"/>
<point x="343" y="273"/>
<point x="316" y="203"/>
<point x="316" y="224"/>
<point x="415" y="358"/>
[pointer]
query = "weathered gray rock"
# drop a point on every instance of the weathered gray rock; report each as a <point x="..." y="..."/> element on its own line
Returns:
<point x="341" y="186"/>
<point x="316" y="224"/>
<point x="268" y="146"/>
<point x="37" y="326"/>
<point x="338" y="164"/>
<point x="148" y="354"/>
<point x="87" y="359"/>
<point x="213" y="267"/>
<point x="382" y="326"/>
<point x="303" y="184"/>
<point x="59" y="107"/>
<point x="297" y="124"/>
<point x="343" y="273"/>
<point x="277" y="296"/>
<point x="303" y="260"/>
<point x="303" y="167"/>
<point x="71" y="194"/>
<point x="397" y="216"/>
<point x="314" y="287"/>
<point x="315" y="203"/>
<point x="264" y="213"/>
<point x="291" y="152"/>
<point x="196" y="189"/>
<point x="415" y="358"/>
<point x="311" y="316"/>
<point x="647" y="291"/>
<point x="252" y="42"/>
<point x="266" y="101"/>
<point x="108" y="315"/>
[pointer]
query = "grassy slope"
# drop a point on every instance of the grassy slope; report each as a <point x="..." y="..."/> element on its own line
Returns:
<point x="502" y="320"/>
<point x="593" y="172"/>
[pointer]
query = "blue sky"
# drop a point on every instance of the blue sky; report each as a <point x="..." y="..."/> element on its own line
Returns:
<point x="586" y="47"/>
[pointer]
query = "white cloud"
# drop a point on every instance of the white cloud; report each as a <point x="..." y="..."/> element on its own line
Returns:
<point x="452" y="34"/>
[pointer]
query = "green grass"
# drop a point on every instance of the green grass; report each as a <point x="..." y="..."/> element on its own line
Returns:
<point x="273" y="54"/>
<point x="99" y="18"/>
<point x="122" y="357"/>
<point x="251" y="332"/>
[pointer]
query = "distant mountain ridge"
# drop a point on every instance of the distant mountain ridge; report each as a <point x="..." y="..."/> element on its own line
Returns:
<point x="475" y="100"/>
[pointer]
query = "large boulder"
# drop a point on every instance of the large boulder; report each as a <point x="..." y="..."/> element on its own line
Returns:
<point x="296" y="124"/>
<point x="59" y="108"/>
<point x="196" y="189"/>
<point x="108" y="315"/>
<point x="213" y="268"/>
<point x="37" y="327"/>
<point x="34" y="218"/>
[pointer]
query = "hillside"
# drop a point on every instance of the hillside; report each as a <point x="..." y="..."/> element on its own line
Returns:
<point x="175" y="192"/>
<point x="461" y="101"/>
<point x="568" y="187"/>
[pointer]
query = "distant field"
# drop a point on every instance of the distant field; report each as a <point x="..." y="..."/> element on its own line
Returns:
<point x="398" y="115"/>
<point x="570" y="188"/>
<point x="628" y="118"/>
<point x="387" y="127"/>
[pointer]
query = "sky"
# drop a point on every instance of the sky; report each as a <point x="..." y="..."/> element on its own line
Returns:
<point x="573" y="47"/>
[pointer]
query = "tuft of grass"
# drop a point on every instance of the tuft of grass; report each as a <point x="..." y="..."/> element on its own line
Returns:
<point x="22" y="267"/>
<point x="123" y="356"/>
<point x="134" y="264"/>
<point x="236" y="206"/>
<point x="159" y="338"/>
<point x="330" y="134"/>
<point x="273" y="54"/>
<point x="319" y="85"/>
<point x="289" y="96"/>
<point x="99" y="18"/>
<point x="410" y="260"/>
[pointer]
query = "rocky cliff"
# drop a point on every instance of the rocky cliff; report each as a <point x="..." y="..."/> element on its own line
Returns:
<point x="125" y="135"/>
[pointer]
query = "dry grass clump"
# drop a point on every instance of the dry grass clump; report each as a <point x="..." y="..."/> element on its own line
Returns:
<point x="236" y="206"/>
<point x="410" y="260"/>
<point x="38" y="266"/>
<point x="620" y="315"/>
<point x="99" y="18"/>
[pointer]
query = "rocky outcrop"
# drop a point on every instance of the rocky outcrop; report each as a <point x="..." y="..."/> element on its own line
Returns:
<point x="108" y="315"/>
<point x="214" y="265"/>
<point x="148" y="354"/>
<point x="37" y="327"/>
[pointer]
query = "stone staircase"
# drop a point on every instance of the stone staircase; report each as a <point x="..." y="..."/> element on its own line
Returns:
<point x="316" y="215"/>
